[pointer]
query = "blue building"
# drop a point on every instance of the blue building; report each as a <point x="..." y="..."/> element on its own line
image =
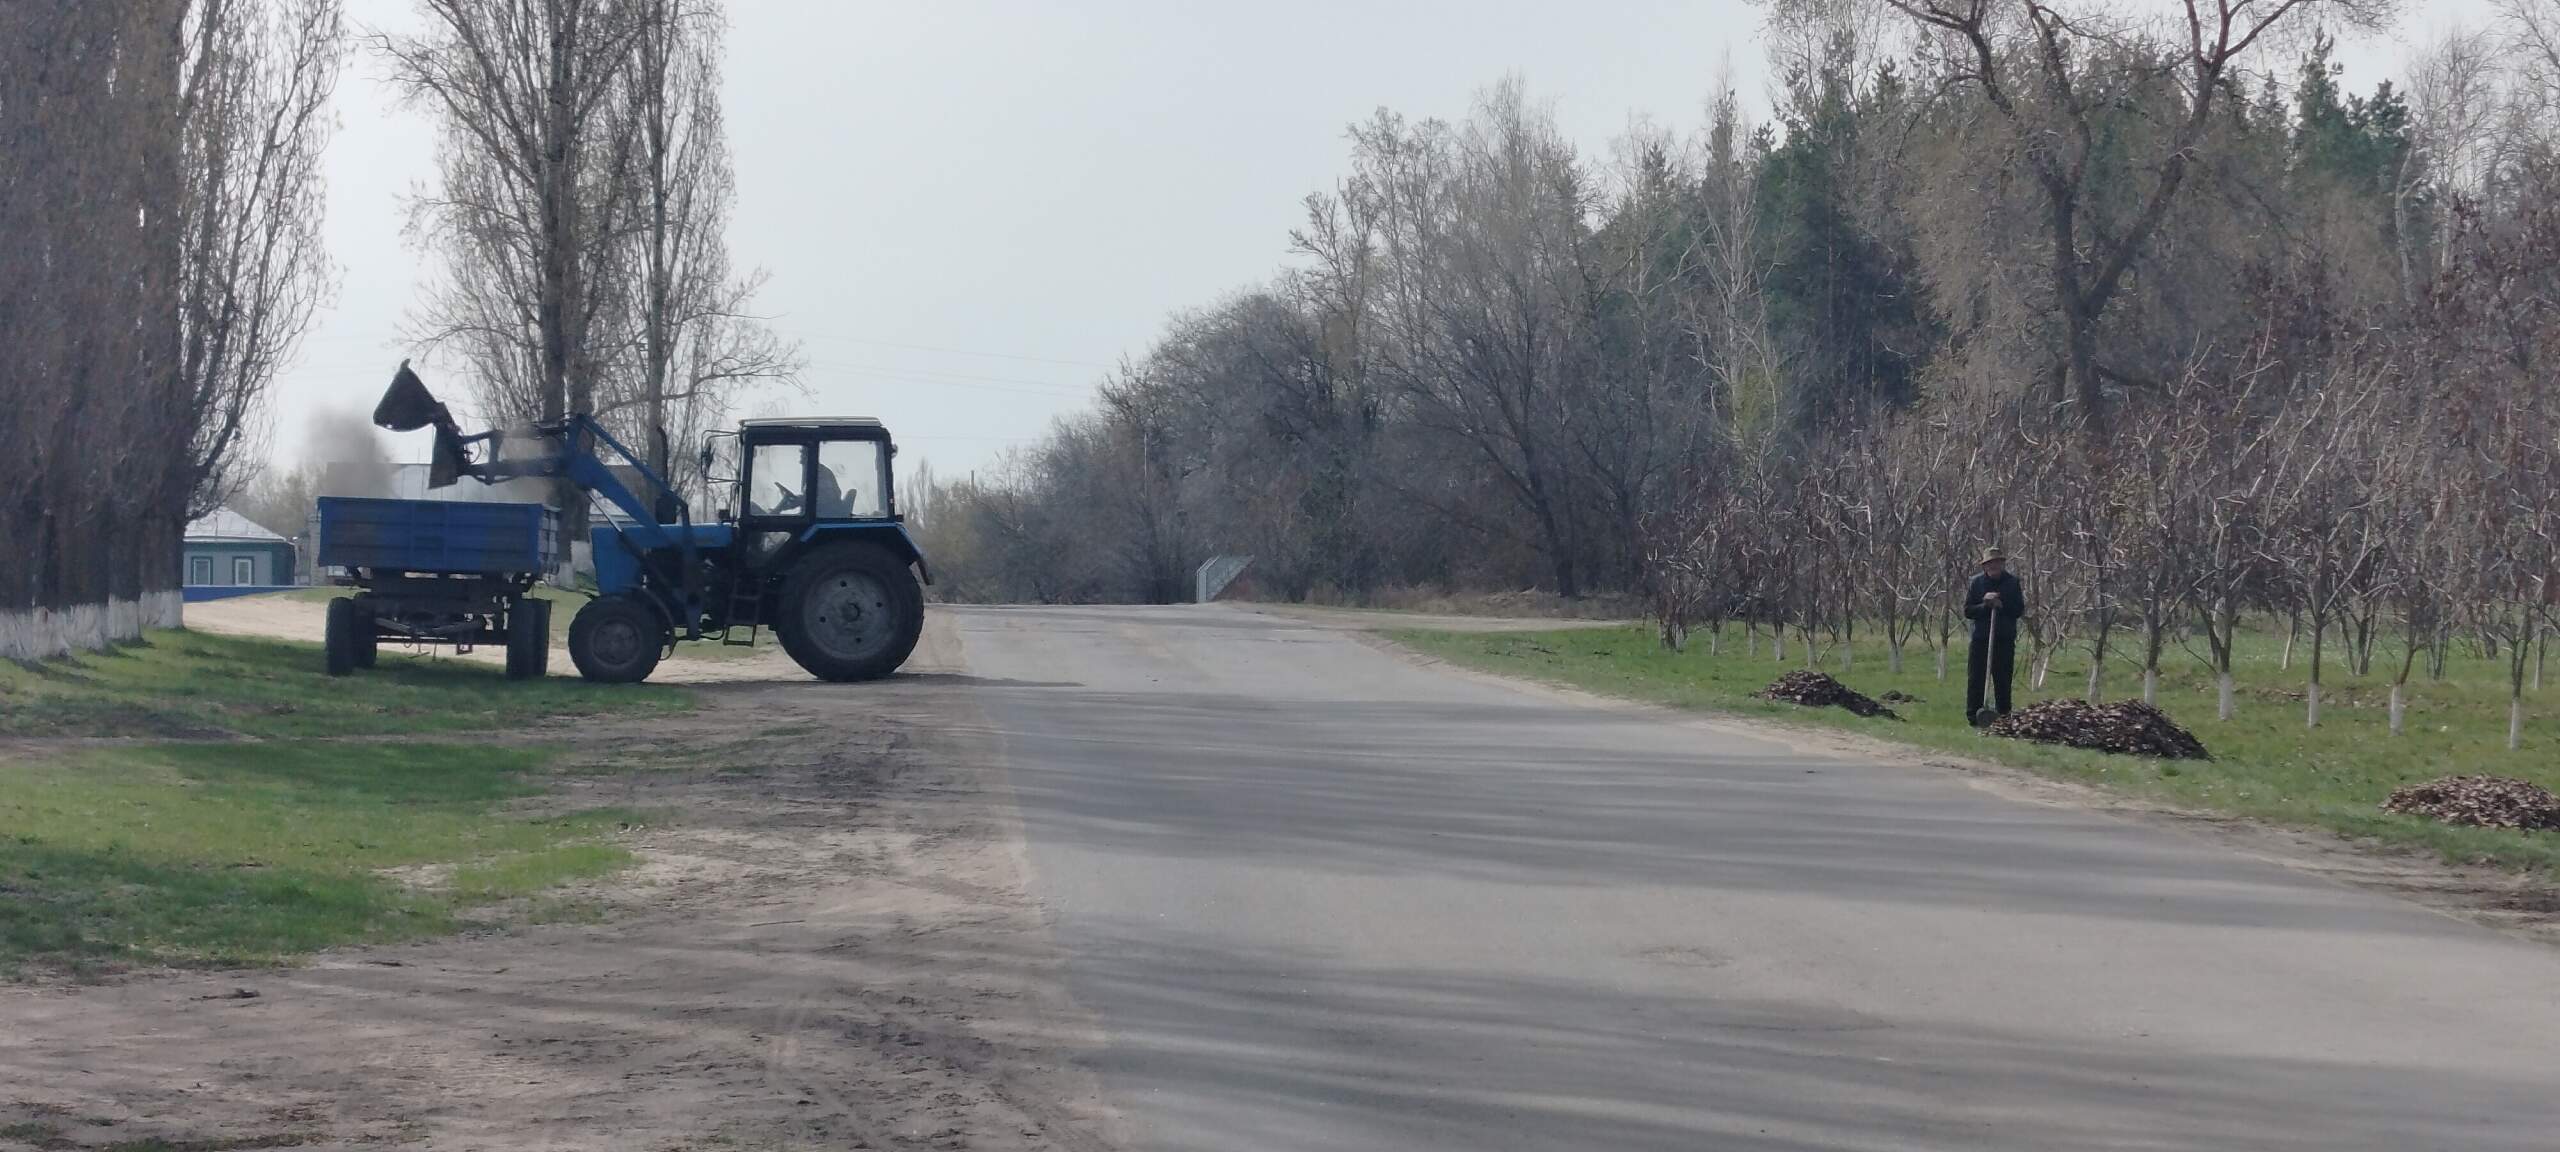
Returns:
<point x="226" y="550"/>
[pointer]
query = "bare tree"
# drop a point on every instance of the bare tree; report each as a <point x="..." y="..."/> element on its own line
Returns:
<point x="2225" y="497"/>
<point x="1732" y="322"/>
<point x="254" y="124"/>
<point x="2323" y="537"/>
<point x="2500" y="308"/>
<point x="2531" y="33"/>
<point x="2053" y="74"/>
<point x="533" y="201"/>
<point x="2457" y="97"/>
<point x="697" y="343"/>
<point x="1481" y="226"/>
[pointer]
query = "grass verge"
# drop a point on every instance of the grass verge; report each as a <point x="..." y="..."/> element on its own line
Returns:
<point x="256" y="822"/>
<point x="188" y="684"/>
<point x="2266" y="764"/>
<point x="229" y="854"/>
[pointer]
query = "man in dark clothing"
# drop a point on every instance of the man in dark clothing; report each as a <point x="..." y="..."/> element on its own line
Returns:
<point x="1994" y="602"/>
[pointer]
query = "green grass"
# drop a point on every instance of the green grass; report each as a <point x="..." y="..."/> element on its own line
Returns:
<point x="246" y="853"/>
<point x="185" y="684"/>
<point x="2266" y="764"/>
<point x="255" y="821"/>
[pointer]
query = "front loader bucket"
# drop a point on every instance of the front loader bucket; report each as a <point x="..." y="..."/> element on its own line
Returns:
<point x="407" y="405"/>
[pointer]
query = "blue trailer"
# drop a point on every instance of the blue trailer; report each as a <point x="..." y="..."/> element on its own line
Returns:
<point x="449" y="572"/>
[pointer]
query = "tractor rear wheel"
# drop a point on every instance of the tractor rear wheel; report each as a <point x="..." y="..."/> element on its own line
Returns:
<point x="850" y="612"/>
<point x="528" y="639"/>
<point x="616" y="640"/>
<point x="338" y="636"/>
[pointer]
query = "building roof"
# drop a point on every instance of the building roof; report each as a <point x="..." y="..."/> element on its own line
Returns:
<point x="227" y="525"/>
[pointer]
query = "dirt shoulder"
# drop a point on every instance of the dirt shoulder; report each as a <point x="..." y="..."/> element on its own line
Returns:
<point x="828" y="943"/>
<point x="2494" y="897"/>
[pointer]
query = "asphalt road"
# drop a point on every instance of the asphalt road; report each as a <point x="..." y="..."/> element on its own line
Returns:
<point x="1323" y="897"/>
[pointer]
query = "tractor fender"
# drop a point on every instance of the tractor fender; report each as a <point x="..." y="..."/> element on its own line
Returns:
<point x="890" y="536"/>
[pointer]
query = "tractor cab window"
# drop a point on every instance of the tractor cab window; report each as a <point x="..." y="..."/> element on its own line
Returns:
<point x="775" y="475"/>
<point x="718" y="498"/>
<point x="851" y="483"/>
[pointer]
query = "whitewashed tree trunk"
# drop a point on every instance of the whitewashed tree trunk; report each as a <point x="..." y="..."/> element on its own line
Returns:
<point x="18" y="636"/>
<point x="1942" y="663"/>
<point x="2319" y="632"/>
<point x="43" y="633"/>
<point x="2222" y="695"/>
<point x="165" y="608"/>
<point x="2151" y="686"/>
<point x="2396" y="709"/>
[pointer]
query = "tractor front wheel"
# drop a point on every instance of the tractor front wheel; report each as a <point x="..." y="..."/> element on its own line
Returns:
<point x="528" y="639"/>
<point x="850" y="612"/>
<point x="616" y="640"/>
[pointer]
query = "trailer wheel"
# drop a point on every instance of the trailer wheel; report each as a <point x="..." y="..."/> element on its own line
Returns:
<point x="528" y="639"/>
<point x="850" y="612"/>
<point x="616" y="640"/>
<point x="339" y="636"/>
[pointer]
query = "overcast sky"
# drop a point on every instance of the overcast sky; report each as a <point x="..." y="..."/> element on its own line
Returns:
<point x="971" y="210"/>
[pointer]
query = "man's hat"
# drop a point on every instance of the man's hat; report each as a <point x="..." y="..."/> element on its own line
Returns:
<point x="1991" y="554"/>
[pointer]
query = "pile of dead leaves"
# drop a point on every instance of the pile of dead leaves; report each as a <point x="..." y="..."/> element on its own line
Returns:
<point x="1818" y="690"/>
<point x="2130" y="727"/>
<point x="2480" y="801"/>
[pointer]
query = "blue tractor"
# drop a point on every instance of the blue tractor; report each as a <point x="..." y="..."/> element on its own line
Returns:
<point x="809" y="544"/>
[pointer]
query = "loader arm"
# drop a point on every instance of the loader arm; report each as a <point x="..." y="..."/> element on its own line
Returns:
<point x="573" y="442"/>
<point x="571" y="448"/>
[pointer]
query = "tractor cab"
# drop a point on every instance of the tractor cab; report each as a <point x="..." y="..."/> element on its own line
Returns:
<point x="798" y="473"/>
